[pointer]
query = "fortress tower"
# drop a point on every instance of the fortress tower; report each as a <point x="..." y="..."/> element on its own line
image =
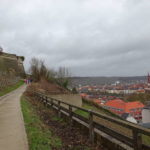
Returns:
<point x="12" y="64"/>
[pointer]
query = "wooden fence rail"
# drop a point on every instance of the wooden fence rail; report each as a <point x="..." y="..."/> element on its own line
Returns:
<point x="134" y="142"/>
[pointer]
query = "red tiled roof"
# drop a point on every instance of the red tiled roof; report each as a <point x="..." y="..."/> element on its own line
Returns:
<point x="133" y="105"/>
<point x="141" y="90"/>
<point x="117" y="103"/>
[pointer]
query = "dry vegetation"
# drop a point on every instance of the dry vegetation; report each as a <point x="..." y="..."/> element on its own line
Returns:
<point x="142" y="97"/>
<point x="39" y="71"/>
<point x="71" y="137"/>
<point x="48" y="88"/>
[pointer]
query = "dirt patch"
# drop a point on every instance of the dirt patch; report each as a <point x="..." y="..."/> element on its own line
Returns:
<point x="48" y="88"/>
<point x="72" y="138"/>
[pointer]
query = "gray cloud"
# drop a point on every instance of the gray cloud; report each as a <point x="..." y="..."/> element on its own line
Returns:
<point x="95" y="37"/>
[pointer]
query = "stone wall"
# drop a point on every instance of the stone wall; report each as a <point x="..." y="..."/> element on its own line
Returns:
<point x="6" y="81"/>
<point x="12" y="64"/>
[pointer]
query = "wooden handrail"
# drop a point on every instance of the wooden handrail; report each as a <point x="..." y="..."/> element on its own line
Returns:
<point x="137" y="131"/>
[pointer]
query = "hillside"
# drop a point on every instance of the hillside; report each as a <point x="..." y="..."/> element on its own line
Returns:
<point x="105" y="80"/>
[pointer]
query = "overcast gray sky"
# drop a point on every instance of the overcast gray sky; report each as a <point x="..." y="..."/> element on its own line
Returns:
<point x="91" y="37"/>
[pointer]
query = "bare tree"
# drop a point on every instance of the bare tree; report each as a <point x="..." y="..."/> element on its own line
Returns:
<point x="34" y="69"/>
<point x="1" y="50"/>
<point x="39" y="71"/>
<point x="63" y="76"/>
<point x="50" y="75"/>
<point x="42" y="69"/>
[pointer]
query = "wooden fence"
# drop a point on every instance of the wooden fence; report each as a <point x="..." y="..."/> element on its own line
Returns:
<point x="134" y="142"/>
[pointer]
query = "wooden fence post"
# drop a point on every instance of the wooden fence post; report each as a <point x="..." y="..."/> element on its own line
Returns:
<point x="91" y="127"/>
<point x="70" y="115"/>
<point x="46" y="101"/>
<point x="59" y="111"/>
<point x="137" y="140"/>
<point x="51" y="102"/>
<point x="41" y="98"/>
<point x="38" y="97"/>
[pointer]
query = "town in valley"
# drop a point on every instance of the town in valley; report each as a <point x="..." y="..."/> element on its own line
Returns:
<point x="130" y="100"/>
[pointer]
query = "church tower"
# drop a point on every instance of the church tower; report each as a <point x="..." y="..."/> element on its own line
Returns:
<point x="148" y="80"/>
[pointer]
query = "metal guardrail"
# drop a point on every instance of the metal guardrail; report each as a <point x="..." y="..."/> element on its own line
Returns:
<point x="134" y="142"/>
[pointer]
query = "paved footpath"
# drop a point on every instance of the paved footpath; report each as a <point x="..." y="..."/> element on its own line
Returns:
<point x="12" y="130"/>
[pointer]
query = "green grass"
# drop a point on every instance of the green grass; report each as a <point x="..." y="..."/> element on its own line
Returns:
<point x="146" y="139"/>
<point x="11" y="88"/>
<point x="99" y="109"/>
<point x="39" y="135"/>
<point x="94" y="108"/>
<point x="82" y="113"/>
<point x="56" y="118"/>
<point x="89" y="106"/>
<point x="82" y="147"/>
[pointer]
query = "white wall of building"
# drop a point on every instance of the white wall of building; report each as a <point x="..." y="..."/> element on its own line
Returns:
<point x="131" y="119"/>
<point x="145" y="115"/>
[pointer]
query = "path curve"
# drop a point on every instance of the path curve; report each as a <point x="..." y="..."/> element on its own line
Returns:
<point x="12" y="130"/>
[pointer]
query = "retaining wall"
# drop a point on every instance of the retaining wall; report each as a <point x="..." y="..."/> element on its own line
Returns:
<point x="6" y="81"/>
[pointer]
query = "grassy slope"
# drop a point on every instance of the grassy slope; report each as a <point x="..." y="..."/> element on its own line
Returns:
<point x="11" y="88"/>
<point x="82" y="113"/>
<point x="87" y="105"/>
<point x="146" y="139"/>
<point x="39" y="136"/>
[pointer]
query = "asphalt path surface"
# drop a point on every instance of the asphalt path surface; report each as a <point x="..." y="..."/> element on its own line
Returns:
<point x="12" y="130"/>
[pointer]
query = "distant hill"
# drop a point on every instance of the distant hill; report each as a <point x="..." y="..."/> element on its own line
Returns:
<point x="105" y="80"/>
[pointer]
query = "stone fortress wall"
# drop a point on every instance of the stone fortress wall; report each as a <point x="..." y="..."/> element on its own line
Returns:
<point x="11" y="69"/>
<point x="12" y="65"/>
<point x="6" y="81"/>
